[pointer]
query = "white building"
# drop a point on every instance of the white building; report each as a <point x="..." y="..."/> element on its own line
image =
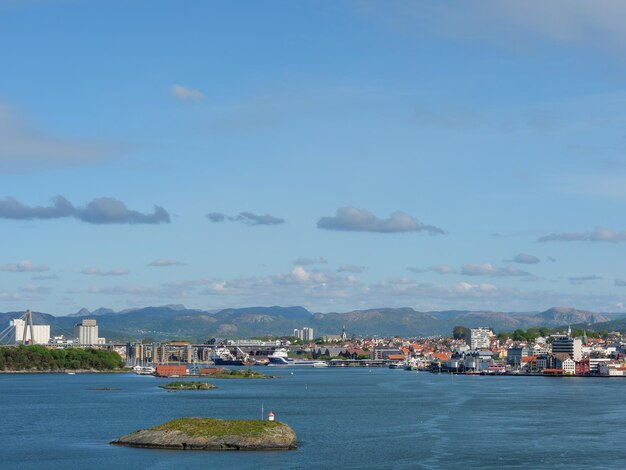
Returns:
<point x="87" y="333"/>
<point x="479" y="338"/>
<point x="305" y="334"/>
<point x="41" y="332"/>
<point x="569" y="366"/>
<point x="611" y="369"/>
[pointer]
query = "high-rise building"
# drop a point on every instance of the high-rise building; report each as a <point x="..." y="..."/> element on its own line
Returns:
<point x="566" y="344"/>
<point x="87" y="332"/>
<point x="41" y="332"/>
<point x="305" y="334"/>
<point x="478" y="338"/>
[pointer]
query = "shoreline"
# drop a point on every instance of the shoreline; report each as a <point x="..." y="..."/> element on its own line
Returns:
<point x="66" y="371"/>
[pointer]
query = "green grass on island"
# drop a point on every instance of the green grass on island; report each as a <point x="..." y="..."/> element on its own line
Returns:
<point x="236" y="374"/>
<point x="196" y="385"/>
<point x="219" y="427"/>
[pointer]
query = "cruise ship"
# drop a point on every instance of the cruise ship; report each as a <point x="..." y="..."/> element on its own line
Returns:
<point x="280" y="358"/>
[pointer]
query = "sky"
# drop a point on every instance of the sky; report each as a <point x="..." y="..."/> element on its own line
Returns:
<point x="337" y="155"/>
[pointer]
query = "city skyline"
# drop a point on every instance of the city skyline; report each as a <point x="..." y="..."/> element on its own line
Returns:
<point x="337" y="156"/>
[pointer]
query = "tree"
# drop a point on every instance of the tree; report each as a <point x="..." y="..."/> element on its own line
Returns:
<point x="519" y="335"/>
<point x="458" y="332"/>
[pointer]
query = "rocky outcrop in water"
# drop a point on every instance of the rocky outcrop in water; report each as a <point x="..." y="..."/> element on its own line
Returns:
<point x="213" y="434"/>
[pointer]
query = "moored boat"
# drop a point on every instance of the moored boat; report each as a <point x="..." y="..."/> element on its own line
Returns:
<point x="144" y="370"/>
<point x="281" y="358"/>
<point x="224" y="357"/>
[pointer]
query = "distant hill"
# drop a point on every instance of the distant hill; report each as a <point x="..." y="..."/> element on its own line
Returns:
<point x="567" y="316"/>
<point x="83" y="312"/>
<point x="177" y="322"/>
<point x="619" y="324"/>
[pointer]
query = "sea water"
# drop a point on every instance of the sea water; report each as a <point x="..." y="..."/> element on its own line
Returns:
<point x="344" y="418"/>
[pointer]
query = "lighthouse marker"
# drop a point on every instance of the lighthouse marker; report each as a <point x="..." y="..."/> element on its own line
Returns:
<point x="270" y="416"/>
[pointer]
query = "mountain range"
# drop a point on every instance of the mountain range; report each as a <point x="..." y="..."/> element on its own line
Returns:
<point x="177" y="322"/>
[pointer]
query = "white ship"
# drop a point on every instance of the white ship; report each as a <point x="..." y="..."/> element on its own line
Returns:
<point x="144" y="370"/>
<point x="280" y="358"/>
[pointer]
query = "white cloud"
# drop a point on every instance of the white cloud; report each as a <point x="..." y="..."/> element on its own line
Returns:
<point x="361" y="220"/>
<point x="442" y="269"/>
<point x="247" y="218"/>
<point x="24" y="266"/>
<point x="598" y="235"/>
<point x="488" y="269"/>
<point x="17" y="297"/>
<point x="164" y="263"/>
<point x="465" y="287"/>
<point x="33" y="289"/>
<point x="436" y="268"/>
<point x="309" y="261"/>
<point x="99" y="272"/>
<point x="525" y="258"/>
<point x="350" y="268"/>
<point x="101" y="210"/>
<point x="183" y="93"/>
<point x="582" y="279"/>
<point x="329" y="291"/>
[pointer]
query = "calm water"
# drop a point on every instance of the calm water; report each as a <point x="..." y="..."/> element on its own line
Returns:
<point x="353" y="418"/>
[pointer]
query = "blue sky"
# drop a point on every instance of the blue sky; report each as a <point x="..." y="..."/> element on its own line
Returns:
<point x="336" y="155"/>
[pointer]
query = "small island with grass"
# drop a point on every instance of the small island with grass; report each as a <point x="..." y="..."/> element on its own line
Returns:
<point x="196" y="385"/>
<point x="222" y="373"/>
<point x="213" y="434"/>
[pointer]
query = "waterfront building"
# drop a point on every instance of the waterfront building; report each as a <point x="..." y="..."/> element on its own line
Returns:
<point x="41" y="332"/>
<point x="479" y="338"/>
<point x="582" y="366"/>
<point x="171" y="371"/>
<point x="611" y="369"/>
<point x="529" y="363"/>
<point x="568" y="366"/>
<point x="594" y="363"/>
<point x="567" y="344"/>
<point x="541" y="362"/>
<point x="379" y="353"/>
<point x="515" y="356"/>
<point x="87" y="333"/>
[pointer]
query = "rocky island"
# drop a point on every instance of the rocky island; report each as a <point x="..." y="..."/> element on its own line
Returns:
<point x="213" y="434"/>
<point x="196" y="385"/>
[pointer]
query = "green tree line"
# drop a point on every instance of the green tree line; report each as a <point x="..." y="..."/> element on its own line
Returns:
<point x="40" y="358"/>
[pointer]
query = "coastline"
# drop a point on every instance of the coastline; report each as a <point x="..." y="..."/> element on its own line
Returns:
<point x="67" y="371"/>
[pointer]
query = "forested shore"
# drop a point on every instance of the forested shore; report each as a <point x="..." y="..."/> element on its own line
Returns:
<point x="41" y="359"/>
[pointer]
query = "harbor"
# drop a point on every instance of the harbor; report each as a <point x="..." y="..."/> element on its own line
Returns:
<point x="413" y="415"/>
